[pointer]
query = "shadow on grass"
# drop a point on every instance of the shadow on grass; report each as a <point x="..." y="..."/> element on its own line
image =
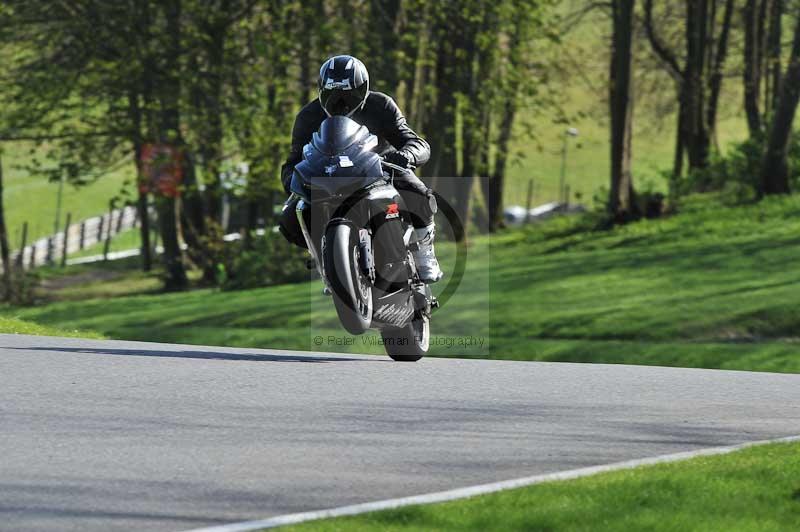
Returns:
<point x="202" y="355"/>
<point x="671" y="260"/>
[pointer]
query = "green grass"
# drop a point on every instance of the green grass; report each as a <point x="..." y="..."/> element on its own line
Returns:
<point x="711" y="287"/>
<point x="10" y="325"/>
<point x="756" y="489"/>
<point x="31" y="198"/>
<point x="102" y="280"/>
<point x="123" y="241"/>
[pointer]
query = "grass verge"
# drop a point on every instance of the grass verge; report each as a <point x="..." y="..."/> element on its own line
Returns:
<point x="754" y="489"/>
<point x="711" y="287"/>
<point x="9" y="325"/>
<point x="33" y="199"/>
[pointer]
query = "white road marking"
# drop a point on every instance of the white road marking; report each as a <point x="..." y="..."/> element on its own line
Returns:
<point x="482" y="489"/>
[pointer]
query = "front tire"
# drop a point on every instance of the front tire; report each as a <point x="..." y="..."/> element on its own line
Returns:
<point x="409" y="343"/>
<point x="352" y="289"/>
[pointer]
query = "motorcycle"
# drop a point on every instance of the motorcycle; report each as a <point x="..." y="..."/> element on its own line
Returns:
<point x="360" y="238"/>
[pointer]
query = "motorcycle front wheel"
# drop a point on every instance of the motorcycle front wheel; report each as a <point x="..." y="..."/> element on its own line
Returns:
<point x="352" y="289"/>
<point x="409" y="343"/>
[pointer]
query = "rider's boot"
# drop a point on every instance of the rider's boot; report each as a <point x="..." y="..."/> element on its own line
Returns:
<point x="424" y="256"/>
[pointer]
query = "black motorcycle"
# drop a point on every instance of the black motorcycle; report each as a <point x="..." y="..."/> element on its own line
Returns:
<point x="360" y="237"/>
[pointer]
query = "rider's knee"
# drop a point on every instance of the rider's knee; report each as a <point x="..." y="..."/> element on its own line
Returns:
<point x="421" y="206"/>
<point x="289" y="225"/>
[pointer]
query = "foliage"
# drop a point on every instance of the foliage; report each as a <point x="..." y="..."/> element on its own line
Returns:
<point x="20" y="289"/>
<point x="93" y="82"/>
<point x="736" y="173"/>
<point x="264" y="260"/>
<point x="648" y="202"/>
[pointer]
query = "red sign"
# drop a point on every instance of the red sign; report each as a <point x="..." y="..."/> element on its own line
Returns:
<point x="162" y="169"/>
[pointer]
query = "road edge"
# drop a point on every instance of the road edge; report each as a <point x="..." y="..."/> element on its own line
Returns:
<point x="480" y="489"/>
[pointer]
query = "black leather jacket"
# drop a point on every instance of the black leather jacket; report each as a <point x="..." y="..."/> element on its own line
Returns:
<point x="381" y="116"/>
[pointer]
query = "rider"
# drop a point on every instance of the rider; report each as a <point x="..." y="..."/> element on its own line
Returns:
<point x="344" y="90"/>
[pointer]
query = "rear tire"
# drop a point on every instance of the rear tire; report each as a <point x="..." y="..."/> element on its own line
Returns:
<point x="352" y="289"/>
<point x="409" y="343"/>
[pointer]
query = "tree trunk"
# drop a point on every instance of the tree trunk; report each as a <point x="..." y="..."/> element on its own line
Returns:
<point x="169" y="132"/>
<point x="175" y="278"/>
<point x="621" y="110"/>
<point x="144" y="231"/>
<point x="384" y="18"/>
<point x="496" y="184"/>
<point x="752" y="68"/>
<point x="679" y="154"/>
<point x="698" y="140"/>
<point x="470" y="115"/>
<point x="304" y="77"/>
<point x="717" y="64"/>
<point x="494" y="195"/>
<point x="135" y="116"/>
<point x="212" y="110"/>
<point x="4" y="251"/>
<point x="775" y="168"/>
<point x="417" y="94"/>
<point x="774" y="51"/>
<point x="442" y="166"/>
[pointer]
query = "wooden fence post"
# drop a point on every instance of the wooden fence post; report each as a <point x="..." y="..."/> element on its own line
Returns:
<point x="65" y="242"/>
<point x="100" y="228"/>
<point x="156" y="234"/>
<point x="82" y="238"/>
<point x="48" y="258"/>
<point x="23" y="243"/>
<point x="119" y="220"/>
<point x="529" y="202"/>
<point x="109" y="231"/>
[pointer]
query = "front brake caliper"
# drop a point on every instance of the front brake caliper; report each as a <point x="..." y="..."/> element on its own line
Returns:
<point x="365" y="258"/>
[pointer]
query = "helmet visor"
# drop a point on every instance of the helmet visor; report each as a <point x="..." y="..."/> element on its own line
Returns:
<point x="337" y="98"/>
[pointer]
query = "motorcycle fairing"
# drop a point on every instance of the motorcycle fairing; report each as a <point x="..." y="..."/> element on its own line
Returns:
<point x="338" y="161"/>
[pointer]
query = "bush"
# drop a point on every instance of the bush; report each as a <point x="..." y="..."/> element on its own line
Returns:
<point x="263" y="261"/>
<point x="736" y="173"/>
<point x="21" y="288"/>
<point x="648" y="203"/>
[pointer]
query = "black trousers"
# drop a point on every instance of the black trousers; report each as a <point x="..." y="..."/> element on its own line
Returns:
<point x="419" y="199"/>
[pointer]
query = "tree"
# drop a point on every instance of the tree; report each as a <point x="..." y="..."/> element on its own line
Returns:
<point x="221" y="80"/>
<point x="98" y="87"/>
<point x="775" y="167"/>
<point x="774" y="35"/>
<point x="5" y="253"/>
<point x="621" y="196"/>
<point x="762" y="62"/>
<point x="699" y="79"/>
<point x="753" y="58"/>
<point x="483" y="56"/>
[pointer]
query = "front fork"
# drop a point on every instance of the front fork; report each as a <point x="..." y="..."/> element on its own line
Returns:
<point x="425" y="300"/>
<point x="312" y="248"/>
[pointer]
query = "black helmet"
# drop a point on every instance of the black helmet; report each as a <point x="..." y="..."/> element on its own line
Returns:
<point x="343" y="85"/>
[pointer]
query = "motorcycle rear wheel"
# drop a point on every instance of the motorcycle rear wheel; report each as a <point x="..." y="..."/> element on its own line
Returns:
<point x="409" y="343"/>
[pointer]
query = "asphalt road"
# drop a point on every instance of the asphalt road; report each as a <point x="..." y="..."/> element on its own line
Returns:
<point x="136" y="436"/>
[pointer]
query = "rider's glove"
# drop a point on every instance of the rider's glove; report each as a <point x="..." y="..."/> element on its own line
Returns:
<point x="399" y="158"/>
